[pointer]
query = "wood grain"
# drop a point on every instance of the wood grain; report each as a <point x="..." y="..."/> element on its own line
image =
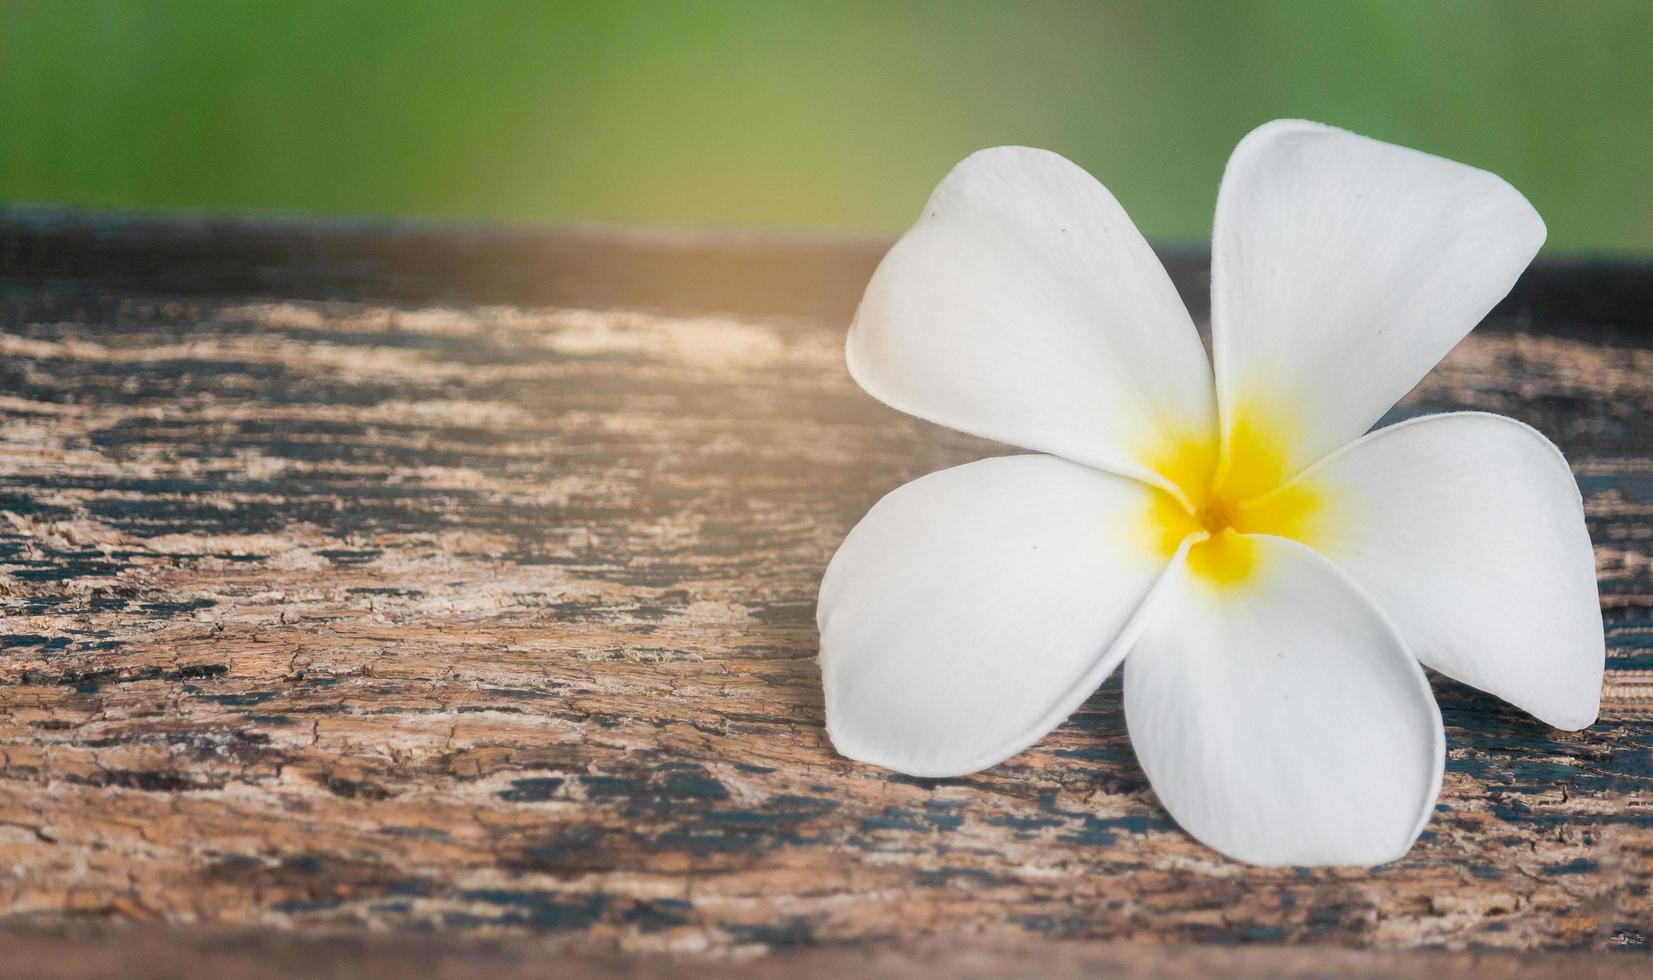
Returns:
<point x="380" y="578"/>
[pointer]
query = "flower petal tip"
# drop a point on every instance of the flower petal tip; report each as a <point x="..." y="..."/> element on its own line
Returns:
<point x="1576" y="720"/>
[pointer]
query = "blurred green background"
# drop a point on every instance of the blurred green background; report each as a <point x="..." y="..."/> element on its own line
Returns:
<point x="842" y="114"/>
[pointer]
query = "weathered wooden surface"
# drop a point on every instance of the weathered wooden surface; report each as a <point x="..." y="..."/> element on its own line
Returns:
<point x="414" y="580"/>
<point x="71" y="954"/>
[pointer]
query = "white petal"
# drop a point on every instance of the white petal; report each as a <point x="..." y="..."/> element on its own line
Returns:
<point x="1025" y="307"/>
<point x="1280" y="719"/>
<point x="973" y="609"/>
<point x="1468" y="531"/>
<point x="1343" y="269"/>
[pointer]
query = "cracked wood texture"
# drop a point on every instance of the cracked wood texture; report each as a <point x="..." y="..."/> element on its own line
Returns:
<point x="366" y="578"/>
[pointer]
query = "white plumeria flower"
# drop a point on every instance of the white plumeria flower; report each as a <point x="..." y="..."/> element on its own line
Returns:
<point x="1270" y="573"/>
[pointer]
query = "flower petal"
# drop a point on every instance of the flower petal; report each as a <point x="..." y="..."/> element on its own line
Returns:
<point x="1468" y="531"/>
<point x="1280" y="719"/>
<point x="1025" y="307"/>
<point x="1343" y="269"/>
<point x="974" y="609"/>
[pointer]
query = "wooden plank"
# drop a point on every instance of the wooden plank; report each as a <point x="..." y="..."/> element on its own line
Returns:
<point x="386" y="578"/>
<point x="136" y="954"/>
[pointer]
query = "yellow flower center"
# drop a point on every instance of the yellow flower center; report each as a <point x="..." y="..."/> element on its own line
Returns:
<point x="1229" y="500"/>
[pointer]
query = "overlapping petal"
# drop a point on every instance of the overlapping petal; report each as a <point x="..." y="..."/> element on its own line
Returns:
<point x="973" y="609"/>
<point x="1024" y="306"/>
<point x="1343" y="269"/>
<point x="1469" y="532"/>
<point x="1283" y="721"/>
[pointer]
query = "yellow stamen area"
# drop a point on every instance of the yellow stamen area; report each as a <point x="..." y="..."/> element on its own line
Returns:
<point x="1230" y="495"/>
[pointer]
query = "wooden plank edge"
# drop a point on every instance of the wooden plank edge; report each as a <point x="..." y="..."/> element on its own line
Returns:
<point x="252" y="955"/>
